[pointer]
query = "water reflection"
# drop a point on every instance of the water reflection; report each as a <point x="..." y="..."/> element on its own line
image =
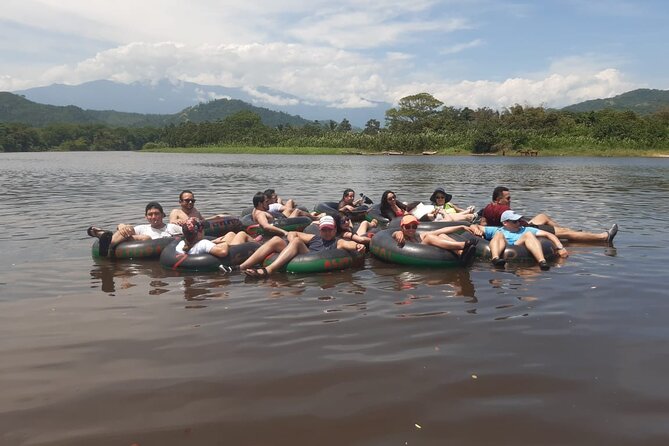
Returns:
<point x="112" y="276"/>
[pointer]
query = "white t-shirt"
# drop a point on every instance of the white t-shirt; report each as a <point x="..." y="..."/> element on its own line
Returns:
<point x="201" y="247"/>
<point x="275" y="207"/>
<point x="169" y="230"/>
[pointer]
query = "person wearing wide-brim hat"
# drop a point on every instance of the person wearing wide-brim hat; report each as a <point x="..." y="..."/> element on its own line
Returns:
<point x="444" y="210"/>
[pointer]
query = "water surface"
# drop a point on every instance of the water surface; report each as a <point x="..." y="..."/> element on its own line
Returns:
<point x="103" y="353"/>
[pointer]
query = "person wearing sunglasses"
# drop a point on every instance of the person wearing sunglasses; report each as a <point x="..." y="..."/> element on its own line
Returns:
<point x="155" y="229"/>
<point x="187" y="210"/>
<point x="361" y="234"/>
<point x="514" y="233"/>
<point x="501" y="202"/>
<point x="444" y="210"/>
<point x="408" y="234"/>
<point x="298" y="243"/>
<point x="390" y="206"/>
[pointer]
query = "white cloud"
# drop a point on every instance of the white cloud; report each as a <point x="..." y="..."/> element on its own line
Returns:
<point x="453" y="49"/>
<point x="554" y="90"/>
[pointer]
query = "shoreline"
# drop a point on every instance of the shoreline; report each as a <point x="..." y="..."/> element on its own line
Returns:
<point x="276" y="150"/>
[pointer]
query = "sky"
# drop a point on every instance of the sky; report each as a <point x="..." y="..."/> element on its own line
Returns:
<point x="346" y="53"/>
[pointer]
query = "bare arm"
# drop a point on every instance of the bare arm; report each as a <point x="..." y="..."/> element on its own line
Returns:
<point x="350" y="245"/>
<point x="174" y="216"/>
<point x="557" y="244"/>
<point x="448" y="230"/>
<point x="261" y="219"/>
<point x="399" y="237"/>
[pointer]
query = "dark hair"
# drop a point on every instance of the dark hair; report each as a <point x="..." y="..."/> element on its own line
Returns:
<point x="346" y="192"/>
<point x="497" y="192"/>
<point x="269" y="192"/>
<point x="339" y="222"/>
<point x="258" y="198"/>
<point x="185" y="191"/>
<point x="385" y="208"/>
<point x="440" y="190"/>
<point x="154" y="205"/>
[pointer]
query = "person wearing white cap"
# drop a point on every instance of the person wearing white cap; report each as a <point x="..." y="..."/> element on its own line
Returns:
<point x="512" y="233"/>
<point x="298" y="243"/>
<point x="501" y="202"/>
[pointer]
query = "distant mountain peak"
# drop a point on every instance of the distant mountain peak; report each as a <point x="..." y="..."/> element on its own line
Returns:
<point x="642" y="101"/>
<point x="166" y="96"/>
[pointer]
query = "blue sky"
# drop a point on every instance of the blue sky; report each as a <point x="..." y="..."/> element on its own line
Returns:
<point x="346" y="53"/>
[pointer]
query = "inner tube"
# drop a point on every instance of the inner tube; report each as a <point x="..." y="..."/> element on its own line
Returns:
<point x="331" y="208"/>
<point x="321" y="261"/>
<point x="327" y="207"/>
<point x="384" y="247"/>
<point x="221" y="226"/>
<point x="428" y="225"/>
<point x="374" y="212"/>
<point x="237" y="254"/>
<point x="287" y="224"/>
<point x="512" y="253"/>
<point x="133" y="249"/>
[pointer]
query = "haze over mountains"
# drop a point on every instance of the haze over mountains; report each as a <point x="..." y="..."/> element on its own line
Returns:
<point x="166" y="97"/>
<point x="163" y="103"/>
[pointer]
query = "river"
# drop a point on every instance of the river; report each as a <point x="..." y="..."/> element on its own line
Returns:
<point x="127" y="353"/>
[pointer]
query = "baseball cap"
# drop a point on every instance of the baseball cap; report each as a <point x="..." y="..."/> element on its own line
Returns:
<point x="326" y="222"/>
<point x="408" y="219"/>
<point x="510" y="215"/>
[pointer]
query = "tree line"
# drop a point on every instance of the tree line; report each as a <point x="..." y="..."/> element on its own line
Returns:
<point x="419" y="123"/>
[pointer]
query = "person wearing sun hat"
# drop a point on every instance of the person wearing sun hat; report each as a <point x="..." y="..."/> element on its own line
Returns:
<point x="513" y="233"/>
<point x="444" y="210"/>
<point x="298" y="243"/>
<point x="408" y="234"/>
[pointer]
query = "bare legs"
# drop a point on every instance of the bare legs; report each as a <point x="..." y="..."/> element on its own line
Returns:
<point x="569" y="234"/>
<point x="275" y="244"/>
<point x="444" y="242"/>
<point x="294" y="247"/>
<point x="529" y="240"/>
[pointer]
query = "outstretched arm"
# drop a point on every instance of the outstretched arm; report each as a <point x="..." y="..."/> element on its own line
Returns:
<point x="350" y="245"/>
<point x="557" y="244"/>
<point x="261" y="219"/>
<point x="448" y="230"/>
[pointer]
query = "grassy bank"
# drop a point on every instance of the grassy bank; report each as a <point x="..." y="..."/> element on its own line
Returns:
<point x="549" y="150"/>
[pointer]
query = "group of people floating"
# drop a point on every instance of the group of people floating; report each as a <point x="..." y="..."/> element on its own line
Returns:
<point x="496" y="222"/>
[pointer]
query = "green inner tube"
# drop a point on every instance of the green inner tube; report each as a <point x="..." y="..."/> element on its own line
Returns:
<point x="133" y="249"/>
<point x="322" y="261"/>
<point x="384" y="246"/>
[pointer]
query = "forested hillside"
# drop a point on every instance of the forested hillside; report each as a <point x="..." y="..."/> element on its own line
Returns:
<point x="642" y="102"/>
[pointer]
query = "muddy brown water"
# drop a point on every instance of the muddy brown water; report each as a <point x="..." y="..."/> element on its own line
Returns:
<point x="95" y="352"/>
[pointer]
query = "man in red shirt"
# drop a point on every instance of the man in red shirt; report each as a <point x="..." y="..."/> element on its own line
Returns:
<point x="501" y="201"/>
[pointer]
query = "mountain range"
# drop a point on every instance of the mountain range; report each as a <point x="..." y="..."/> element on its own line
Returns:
<point x="164" y="103"/>
<point x="166" y="98"/>
<point x="15" y="108"/>
<point x="643" y="101"/>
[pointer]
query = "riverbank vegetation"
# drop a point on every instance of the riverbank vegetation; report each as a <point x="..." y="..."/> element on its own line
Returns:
<point x="419" y="124"/>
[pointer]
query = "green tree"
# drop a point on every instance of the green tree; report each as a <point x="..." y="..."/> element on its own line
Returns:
<point x="413" y="113"/>
<point x="344" y="126"/>
<point x="372" y="127"/>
